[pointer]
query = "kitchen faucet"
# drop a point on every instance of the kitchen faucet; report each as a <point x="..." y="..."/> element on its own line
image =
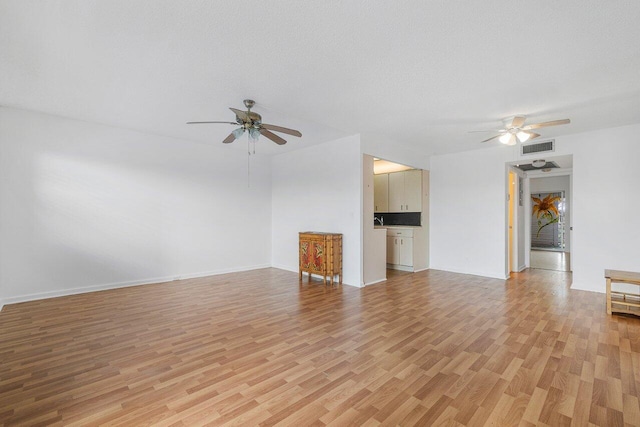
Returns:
<point x="380" y="220"/>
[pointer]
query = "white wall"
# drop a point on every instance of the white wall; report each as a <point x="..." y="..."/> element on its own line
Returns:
<point x="468" y="206"/>
<point x="85" y="206"/>
<point x="318" y="189"/>
<point x="606" y="202"/>
<point x="468" y="211"/>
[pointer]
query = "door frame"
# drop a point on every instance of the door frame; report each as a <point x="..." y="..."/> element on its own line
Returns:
<point x="518" y="238"/>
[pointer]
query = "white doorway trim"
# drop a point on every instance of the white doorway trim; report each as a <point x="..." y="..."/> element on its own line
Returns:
<point x="523" y="217"/>
<point x="518" y="256"/>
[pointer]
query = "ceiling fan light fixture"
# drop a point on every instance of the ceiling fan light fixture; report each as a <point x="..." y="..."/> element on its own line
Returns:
<point x="523" y="136"/>
<point x="505" y="138"/>
<point x="254" y="134"/>
<point x="238" y="132"/>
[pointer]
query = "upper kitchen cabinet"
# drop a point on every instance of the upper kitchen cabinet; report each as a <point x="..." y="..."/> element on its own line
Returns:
<point x="381" y="192"/>
<point x="405" y="191"/>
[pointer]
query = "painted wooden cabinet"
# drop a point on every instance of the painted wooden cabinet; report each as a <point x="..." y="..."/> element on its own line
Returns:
<point x="399" y="248"/>
<point x="381" y="192"/>
<point x="413" y="190"/>
<point x="321" y="254"/>
<point x="405" y="191"/>
<point x="405" y="253"/>
<point x="396" y="192"/>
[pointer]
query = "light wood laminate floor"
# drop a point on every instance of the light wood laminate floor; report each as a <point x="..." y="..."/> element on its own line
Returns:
<point x="257" y="348"/>
<point x="551" y="260"/>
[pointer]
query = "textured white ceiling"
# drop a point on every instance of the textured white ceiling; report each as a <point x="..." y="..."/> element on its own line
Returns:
<point x="422" y="72"/>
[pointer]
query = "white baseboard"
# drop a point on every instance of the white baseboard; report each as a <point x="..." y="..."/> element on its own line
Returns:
<point x="375" y="281"/>
<point x="399" y="267"/>
<point x="421" y="269"/>
<point x="126" y="284"/>
<point x="284" y="267"/>
<point x="580" y="287"/>
<point x="295" y="270"/>
<point x="472" y="273"/>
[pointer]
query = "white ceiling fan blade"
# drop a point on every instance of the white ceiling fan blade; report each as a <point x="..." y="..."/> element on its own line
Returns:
<point x="517" y="122"/>
<point x="545" y="124"/>
<point x="532" y="134"/>
<point x="487" y="130"/>
<point x="281" y="129"/>
<point x="493" y="137"/>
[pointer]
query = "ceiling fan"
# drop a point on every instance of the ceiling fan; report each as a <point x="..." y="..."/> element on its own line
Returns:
<point x="515" y="130"/>
<point x="252" y="122"/>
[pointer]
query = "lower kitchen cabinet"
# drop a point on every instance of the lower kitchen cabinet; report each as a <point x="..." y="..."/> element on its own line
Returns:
<point x="399" y="247"/>
<point x="405" y="255"/>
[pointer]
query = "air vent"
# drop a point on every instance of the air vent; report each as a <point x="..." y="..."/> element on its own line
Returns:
<point x="538" y="147"/>
<point x="530" y="167"/>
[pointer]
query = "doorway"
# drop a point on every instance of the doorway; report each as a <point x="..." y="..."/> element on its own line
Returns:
<point x="526" y="181"/>
<point x="515" y="222"/>
<point x="550" y="210"/>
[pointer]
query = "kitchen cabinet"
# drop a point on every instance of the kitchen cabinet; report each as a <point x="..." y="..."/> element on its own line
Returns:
<point x="400" y="247"/>
<point x="413" y="190"/>
<point x="405" y="191"/>
<point x="381" y="192"/>
<point x="405" y="254"/>
<point x="393" y="256"/>
<point x="320" y="253"/>
<point x="396" y="192"/>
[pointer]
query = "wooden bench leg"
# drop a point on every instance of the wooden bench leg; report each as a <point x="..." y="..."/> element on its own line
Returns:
<point x="608" y="296"/>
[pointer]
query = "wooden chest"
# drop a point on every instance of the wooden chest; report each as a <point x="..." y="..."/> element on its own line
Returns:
<point x="321" y="254"/>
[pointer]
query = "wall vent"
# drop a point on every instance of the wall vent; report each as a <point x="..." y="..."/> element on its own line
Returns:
<point x="538" y="147"/>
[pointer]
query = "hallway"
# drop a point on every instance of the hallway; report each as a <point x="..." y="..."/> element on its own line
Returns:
<point x="550" y="260"/>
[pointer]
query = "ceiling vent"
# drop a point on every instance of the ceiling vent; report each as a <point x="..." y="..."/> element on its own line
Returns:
<point x="545" y="166"/>
<point x="538" y="147"/>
